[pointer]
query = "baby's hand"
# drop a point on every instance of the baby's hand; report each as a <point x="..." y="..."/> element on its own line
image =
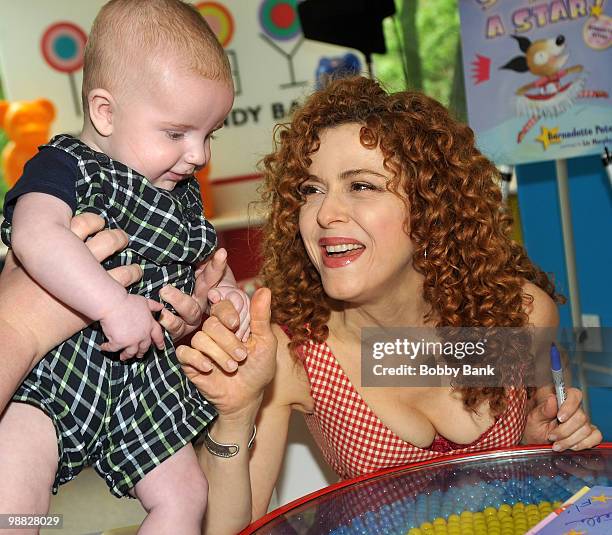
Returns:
<point x="241" y="303"/>
<point x="130" y="327"/>
<point x="226" y="288"/>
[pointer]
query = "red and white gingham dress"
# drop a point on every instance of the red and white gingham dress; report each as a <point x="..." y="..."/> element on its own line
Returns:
<point x="354" y="441"/>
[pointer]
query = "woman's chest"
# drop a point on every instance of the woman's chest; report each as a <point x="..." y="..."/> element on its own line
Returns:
<point x="414" y="414"/>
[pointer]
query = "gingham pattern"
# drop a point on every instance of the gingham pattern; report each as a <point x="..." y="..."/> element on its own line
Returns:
<point x="125" y="418"/>
<point x="352" y="438"/>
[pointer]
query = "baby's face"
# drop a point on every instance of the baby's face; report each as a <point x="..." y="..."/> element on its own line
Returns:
<point x="162" y="128"/>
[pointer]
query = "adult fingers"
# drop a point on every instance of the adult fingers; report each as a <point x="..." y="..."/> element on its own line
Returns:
<point x="204" y="343"/>
<point x="574" y="438"/>
<point x="565" y="430"/>
<point x="546" y="411"/>
<point x="238" y="300"/>
<point x="189" y="357"/>
<point x="186" y="307"/>
<point x="593" y="438"/>
<point x="106" y="243"/>
<point x="174" y="325"/>
<point x="225" y="312"/>
<point x="224" y="338"/>
<point x="126" y="275"/>
<point x="570" y="405"/>
<point x="260" y="313"/>
<point x="86" y="224"/>
<point x="213" y="271"/>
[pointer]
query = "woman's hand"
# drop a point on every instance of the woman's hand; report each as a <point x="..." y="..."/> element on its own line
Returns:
<point x="232" y="375"/>
<point x="567" y="428"/>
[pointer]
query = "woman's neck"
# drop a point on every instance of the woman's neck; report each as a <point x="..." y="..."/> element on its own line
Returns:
<point x="392" y="311"/>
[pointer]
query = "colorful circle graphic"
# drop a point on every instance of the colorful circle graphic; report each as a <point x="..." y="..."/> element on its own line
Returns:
<point x="279" y="19"/>
<point x="219" y="19"/>
<point x="63" y="46"/>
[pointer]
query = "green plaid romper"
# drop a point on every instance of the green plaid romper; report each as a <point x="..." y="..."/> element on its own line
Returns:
<point x="125" y="418"/>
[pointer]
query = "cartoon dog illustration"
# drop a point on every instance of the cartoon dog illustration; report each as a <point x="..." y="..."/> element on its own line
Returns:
<point x="547" y="96"/>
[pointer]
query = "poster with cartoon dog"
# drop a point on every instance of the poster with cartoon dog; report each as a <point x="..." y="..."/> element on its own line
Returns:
<point x="538" y="77"/>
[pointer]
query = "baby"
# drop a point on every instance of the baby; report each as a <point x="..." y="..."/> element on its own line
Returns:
<point x="156" y="85"/>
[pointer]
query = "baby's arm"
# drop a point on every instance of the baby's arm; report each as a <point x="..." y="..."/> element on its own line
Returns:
<point x="61" y="263"/>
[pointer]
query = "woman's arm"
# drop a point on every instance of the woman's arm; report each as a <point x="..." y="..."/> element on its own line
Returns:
<point x="568" y="426"/>
<point x="238" y="397"/>
<point x="31" y="321"/>
<point x="240" y="487"/>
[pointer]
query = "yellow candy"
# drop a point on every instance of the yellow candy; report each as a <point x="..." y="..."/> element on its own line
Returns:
<point x="439" y="521"/>
<point x="414" y="531"/>
<point x="427" y="528"/>
<point x="490" y="511"/>
<point x="519" y="506"/>
<point x="453" y="519"/>
<point x="505" y="508"/>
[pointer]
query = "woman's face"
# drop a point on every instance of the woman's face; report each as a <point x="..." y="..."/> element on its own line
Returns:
<point x="351" y="225"/>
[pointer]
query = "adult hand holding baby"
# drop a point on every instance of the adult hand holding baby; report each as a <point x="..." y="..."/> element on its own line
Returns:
<point x="31" y="321"/>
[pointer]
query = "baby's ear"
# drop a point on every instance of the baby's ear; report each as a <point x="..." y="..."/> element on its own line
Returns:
<point x="48" y="106"/>
<point x="101" y="103"/>
<point x="4" y="106"/>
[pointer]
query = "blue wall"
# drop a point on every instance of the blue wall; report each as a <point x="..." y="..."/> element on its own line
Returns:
<point x="591" y="206"/>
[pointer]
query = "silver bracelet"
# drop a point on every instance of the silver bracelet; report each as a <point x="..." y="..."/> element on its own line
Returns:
<point x="225" y="450"/>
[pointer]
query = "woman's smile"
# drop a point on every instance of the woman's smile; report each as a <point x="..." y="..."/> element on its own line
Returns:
<point x="340" y="251"/>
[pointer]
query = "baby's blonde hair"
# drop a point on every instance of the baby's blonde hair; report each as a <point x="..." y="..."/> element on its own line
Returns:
<point x="127" y="31"/>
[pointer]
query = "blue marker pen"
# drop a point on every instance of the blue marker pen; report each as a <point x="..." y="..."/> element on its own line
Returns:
<point x="557" y="373"/>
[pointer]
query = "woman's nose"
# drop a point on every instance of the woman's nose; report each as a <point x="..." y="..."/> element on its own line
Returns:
<point x="333" y="209"/>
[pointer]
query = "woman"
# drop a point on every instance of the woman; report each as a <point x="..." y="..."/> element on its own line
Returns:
<point x="382" y="213"/>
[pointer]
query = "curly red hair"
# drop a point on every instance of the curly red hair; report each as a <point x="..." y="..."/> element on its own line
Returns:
<point x="473" y="272"/>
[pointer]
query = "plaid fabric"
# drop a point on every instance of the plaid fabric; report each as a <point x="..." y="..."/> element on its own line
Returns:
<point x="352" y="438"/>
<point x="125" y="418"/>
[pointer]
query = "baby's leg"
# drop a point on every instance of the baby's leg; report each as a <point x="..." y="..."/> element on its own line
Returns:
<point x="174" y="495"/>
<point x="28" y="460"/>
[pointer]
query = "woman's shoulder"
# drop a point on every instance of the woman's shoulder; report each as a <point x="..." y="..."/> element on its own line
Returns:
<point x="290" y="384"/>
<point x="539" y="306"/>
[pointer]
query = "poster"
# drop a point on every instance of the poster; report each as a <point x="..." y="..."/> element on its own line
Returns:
<point x="272" y="64"/>
<point x="538" y="77"/>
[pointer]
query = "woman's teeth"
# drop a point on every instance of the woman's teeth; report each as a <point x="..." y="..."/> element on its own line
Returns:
<point x="344" y="248"/>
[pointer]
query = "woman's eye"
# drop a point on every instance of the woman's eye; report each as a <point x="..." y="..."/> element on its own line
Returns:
<point x="308" y="189"/>
<point x="175" y="136"/>
<point x="363" y="186"/>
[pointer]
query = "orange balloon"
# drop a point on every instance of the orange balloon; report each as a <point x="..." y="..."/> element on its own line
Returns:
<point x="27" y="125"/>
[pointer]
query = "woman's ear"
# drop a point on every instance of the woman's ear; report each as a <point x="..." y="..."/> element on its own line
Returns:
<point x="101" y="105"/>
